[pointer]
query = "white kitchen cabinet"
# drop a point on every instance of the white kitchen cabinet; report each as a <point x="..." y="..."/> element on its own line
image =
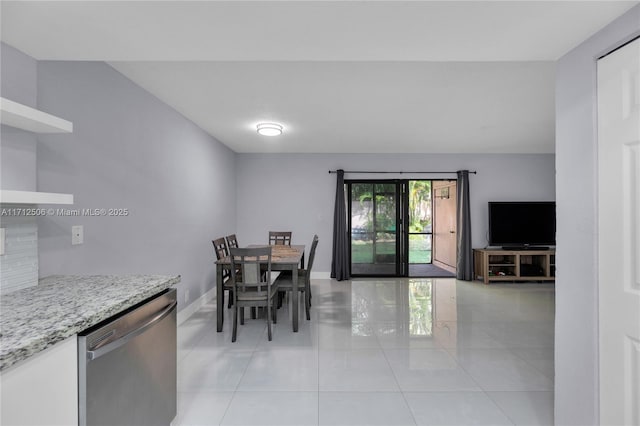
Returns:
<point x="43" y="389"/>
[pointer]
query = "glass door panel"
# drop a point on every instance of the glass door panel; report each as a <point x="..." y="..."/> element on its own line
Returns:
<point x="361" y="212"/>
<point x="373" y="223"/>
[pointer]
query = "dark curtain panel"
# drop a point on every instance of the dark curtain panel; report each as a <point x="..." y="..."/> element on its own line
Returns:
<point x="340" y="256"/>
<point x="464" y="263"/>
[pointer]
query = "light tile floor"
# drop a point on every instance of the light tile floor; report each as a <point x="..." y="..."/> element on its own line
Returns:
<point x="378" y="352"/>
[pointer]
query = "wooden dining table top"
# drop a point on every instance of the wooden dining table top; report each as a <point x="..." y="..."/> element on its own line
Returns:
<point x="279" y="253"/>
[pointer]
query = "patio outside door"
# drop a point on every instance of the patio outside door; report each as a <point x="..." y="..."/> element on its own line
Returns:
<point x="419" y="226"/>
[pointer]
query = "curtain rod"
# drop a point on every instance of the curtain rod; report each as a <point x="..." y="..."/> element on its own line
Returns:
<point x="399" y="173"/>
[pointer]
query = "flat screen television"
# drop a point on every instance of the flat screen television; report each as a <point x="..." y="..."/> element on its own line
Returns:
<point x="522" y="224"/>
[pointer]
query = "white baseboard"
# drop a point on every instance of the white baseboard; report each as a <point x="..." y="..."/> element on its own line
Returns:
<point x="321" y="275"/>
<point x="193" y="307"/>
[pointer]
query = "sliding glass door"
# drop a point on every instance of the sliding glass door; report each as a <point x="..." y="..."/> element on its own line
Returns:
<point x="394" y="229"/>
<point x="375" y="212"/>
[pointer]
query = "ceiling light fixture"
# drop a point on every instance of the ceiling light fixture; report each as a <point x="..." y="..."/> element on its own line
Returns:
<point x="269" y="129"/>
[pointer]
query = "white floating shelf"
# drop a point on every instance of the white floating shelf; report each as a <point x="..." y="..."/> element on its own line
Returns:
<point x="30" y="197"/>
<point x="24" y="117"/>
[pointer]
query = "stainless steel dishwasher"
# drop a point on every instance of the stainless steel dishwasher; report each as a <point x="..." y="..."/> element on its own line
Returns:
<point x="127" y="366"/>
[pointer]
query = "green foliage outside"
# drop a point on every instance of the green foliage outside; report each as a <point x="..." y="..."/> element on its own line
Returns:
<point x="419" y="206"/>
<point x="385" y="205"/>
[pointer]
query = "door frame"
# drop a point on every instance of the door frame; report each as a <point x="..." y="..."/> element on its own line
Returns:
<point x="406" y="222"/>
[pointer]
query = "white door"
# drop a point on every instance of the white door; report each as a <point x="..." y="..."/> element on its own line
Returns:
<point x="619" y="235"/>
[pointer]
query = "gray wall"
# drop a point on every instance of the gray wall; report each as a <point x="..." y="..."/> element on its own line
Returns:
<point x="295" y="192"/>
<point x="131" y="151"/>
<point x="576" y="346"/>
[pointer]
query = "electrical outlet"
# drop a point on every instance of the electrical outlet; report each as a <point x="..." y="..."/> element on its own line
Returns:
<point x="1" y="241"/>
<point x="77" y="234"/>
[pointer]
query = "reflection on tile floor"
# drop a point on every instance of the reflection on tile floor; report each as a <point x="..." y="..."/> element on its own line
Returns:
<point x="412" y="351"/>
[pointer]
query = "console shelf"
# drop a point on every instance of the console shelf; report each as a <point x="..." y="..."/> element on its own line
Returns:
<point x="514" y="265"/>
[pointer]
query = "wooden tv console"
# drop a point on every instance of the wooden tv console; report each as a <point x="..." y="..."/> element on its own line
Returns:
<point x="514" y="265"/>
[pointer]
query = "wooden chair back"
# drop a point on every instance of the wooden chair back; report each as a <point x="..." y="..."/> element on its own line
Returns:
<point x="281" y="238"/>
<point x="312" y="255"/>
<point x="222" y="251"/>
<point x="232" y="241"/>
<point x="254" y="265"/>
<point x="220" y="248"/>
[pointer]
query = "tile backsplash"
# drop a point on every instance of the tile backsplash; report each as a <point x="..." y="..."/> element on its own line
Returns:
<point x="19" y="264"/>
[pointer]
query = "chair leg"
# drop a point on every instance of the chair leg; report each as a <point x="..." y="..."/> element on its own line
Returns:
<point x="235" y="323"/>
<point x="253" y="312"/>
<point x="307" y="304"/>
<point x="275" y="314"/>
<point x="230" y="303"/>
<point x="269" y="319"/>
<point x="241" y="316"/>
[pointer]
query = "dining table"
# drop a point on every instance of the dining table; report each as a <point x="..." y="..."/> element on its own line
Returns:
<point x="283" y="258"/>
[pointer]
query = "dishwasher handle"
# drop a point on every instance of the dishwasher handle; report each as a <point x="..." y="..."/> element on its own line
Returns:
<point x="99" y="351"/>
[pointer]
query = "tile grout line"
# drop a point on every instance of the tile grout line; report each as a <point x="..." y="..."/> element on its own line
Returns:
<point x="483" y="390"/>
<point x="534" y="366"/>
<point x="500" y="408"/>
<point x="395" y="377"/>
<point x="235" y="391"/>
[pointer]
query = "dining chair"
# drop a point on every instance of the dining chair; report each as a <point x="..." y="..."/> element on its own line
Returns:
<point x="285" y="281"/>
<point x="232" y="241"/>
<point x="279" y="238"/>
<point x="222" y="251"/>
<point x="253" y="287"/>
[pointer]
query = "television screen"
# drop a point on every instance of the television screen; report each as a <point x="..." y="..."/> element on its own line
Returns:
<point x="522" y="223"/>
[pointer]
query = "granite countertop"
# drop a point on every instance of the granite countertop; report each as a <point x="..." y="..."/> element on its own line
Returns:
<point x="60" y="306"/>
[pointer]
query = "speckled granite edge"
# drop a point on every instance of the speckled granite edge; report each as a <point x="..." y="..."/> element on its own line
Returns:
<point x="36" y="318"/>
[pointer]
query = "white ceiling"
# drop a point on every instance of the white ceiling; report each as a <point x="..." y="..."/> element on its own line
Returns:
<point x="342" y="76"/>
